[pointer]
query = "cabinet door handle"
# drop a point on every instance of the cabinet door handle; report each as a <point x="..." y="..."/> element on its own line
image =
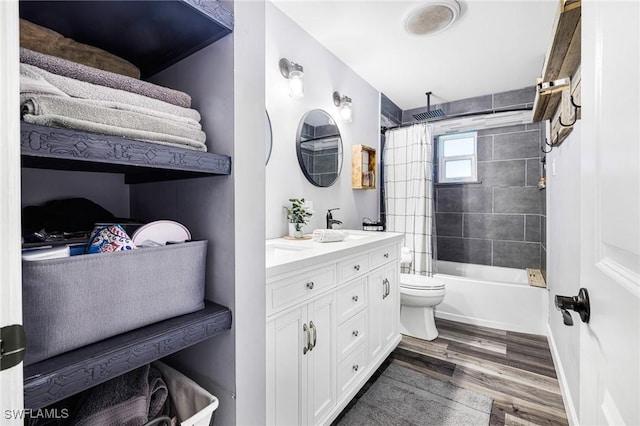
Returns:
<point x="386" y="255"/>
<point x="355" y="367"/>
<point x="355" y="333"/>
<point x="356" y="267"/>
<point x="355" y="298"/>
<point x="310" y="285"/>
<point x="312" y="326"/>
<point x="385" y="288"/>
<point x="307" y="339"/>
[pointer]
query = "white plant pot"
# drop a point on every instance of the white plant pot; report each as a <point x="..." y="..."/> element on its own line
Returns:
<point x="293" y="232"/>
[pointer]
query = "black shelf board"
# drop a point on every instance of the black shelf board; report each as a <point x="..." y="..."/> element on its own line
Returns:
<point x="150" y="34"/>
<point x="57" y="378"/>
<point x="63" y="149"/>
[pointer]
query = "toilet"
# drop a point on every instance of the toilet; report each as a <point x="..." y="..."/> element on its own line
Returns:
<point x="419" y="295"/>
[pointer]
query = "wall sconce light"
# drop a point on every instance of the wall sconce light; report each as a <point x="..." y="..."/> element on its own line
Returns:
<point x="293" y="72"/>
<point x="344" y="105"/>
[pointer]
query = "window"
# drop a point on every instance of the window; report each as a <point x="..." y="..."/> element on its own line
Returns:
<point x="457" y="157"/>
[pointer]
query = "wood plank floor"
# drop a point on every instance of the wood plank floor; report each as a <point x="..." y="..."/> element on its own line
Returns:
<point x="515" y="369"/>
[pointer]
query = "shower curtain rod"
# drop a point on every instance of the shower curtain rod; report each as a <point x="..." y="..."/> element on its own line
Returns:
<point x="384" y="129"/>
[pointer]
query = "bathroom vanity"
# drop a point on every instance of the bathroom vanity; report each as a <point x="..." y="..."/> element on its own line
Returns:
<point x="332" y="318"/>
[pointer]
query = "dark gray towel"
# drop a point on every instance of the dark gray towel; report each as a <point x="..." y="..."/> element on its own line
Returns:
<point x="92" y="75"/>
<point x="131" y="399"/>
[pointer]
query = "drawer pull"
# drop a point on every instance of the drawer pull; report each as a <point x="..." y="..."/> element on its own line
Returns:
<point x="386" y="288"/>
<point x="307" y="339"/>
<point x="310" y="285"/>
<point x="355" y="367"/>
<point x="355" y="298"/>
<point x="312" y="327"/>
<point x="386" y="255"/>
<point x="355" y="333"/>
<point x="356" y="267"/>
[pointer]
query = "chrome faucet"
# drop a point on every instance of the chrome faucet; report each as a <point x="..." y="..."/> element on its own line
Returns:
<point x="330" y="220"/>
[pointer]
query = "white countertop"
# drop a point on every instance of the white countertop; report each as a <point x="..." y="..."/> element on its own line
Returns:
<point x="284" y="255"/>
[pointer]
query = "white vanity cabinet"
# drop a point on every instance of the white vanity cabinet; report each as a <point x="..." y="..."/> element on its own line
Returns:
<point x="332" y="319"/>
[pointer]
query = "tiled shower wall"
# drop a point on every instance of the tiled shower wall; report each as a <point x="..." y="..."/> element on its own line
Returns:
<point x="500" y="221"/>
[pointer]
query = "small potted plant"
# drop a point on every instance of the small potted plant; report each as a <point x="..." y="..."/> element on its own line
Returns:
<point x="298" y="214"/>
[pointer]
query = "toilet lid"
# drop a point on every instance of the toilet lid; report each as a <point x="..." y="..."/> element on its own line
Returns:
<point x="420" y="282"/>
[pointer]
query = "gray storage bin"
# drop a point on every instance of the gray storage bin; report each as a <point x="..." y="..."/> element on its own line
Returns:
<point x="78" y="300"/>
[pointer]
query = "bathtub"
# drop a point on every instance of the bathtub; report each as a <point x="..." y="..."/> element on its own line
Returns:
<point x="491" y="296"/>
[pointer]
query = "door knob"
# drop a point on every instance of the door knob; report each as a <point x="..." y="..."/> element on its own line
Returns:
<point x="579" y="304"/>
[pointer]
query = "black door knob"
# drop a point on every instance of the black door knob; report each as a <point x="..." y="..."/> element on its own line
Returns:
<point x="579" y="304"/>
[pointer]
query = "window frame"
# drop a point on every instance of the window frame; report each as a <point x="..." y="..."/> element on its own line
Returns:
<point x="442" y="139"/>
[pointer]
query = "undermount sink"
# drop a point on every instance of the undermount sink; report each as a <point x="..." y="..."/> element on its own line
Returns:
<point x="353" y="236"/>
<point x="279" y="249"/>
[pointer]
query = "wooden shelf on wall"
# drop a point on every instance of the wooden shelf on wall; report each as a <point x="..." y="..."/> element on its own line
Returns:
<point x="563" y="58"/>
<point x="363" y="167"/>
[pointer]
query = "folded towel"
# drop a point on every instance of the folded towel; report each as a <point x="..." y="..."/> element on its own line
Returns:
<point x="84" y="90"/>
<point x="36" y="85"/>
<point x="47" y="41"/>
<point x="81" y="72"/>
<point x="77" y="114"/>
<point x="328" y="235"/>
<point x="130" y="399"/>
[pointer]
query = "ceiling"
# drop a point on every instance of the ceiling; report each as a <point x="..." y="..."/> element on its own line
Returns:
<point x="494" y="46"/>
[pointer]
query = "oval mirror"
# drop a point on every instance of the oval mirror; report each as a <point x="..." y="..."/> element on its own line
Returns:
<point x="319" y="148"/>
<point x="268" y="136"/>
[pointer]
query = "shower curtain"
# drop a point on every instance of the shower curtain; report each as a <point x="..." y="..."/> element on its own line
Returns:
<point x="408" y="191"/>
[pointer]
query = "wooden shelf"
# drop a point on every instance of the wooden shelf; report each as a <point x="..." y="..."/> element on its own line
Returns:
<point x="57" y="378"/>
<point x="150" y="34"/>
<point x="363" y="169"/>
<point x="63" y="149"/>
<point x="563" y="57"/>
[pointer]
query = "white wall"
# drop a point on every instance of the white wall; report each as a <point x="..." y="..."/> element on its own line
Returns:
<point x="563" y="258"/>
<point x="324" y="73"/>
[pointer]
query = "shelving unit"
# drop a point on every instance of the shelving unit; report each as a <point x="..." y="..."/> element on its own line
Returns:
<point x="363" y="167"/>
<point x="152" y="35"/>
<point x="562" y="61"/>
<point x="57" y="378"/>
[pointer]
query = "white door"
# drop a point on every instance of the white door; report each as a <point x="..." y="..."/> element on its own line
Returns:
<point x="610" y="234"/>
<point x="376" y="292"/>
<point x="286" y="358"/>
<point x="11" y="393"/>
<point x="321" y="362"/>
<point x="389" y="306"/>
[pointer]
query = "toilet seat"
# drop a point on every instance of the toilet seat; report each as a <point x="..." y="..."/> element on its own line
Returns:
<point x="420" y="282"/>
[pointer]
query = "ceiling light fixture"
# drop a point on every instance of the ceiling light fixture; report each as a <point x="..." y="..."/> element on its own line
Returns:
<point x="344" y="105"/>
<point x="295" y="73"/>
<point x="432" y="17"/>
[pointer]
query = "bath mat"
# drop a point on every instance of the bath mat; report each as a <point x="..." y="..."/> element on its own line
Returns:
<point x="401" y="396"/>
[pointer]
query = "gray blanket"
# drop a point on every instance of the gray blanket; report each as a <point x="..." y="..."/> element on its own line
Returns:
<point x="92" y="75"/>
<point x="84" y="90"/>
<point x="130" y="399"/>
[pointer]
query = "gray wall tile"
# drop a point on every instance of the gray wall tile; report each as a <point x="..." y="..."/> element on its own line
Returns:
<point x="532" y="228"/>
<point x="464" y="250"/>
<point x="501" y="173"/>
<point x="500" y="130"/>
<point x="449" y="224"/>
<point x="514" y="97"/>
<point x="479" y="103"/>
<point x="485" y="148"/>
<point x="543" y="201"/>
<point x="449" y="199"/>
<point x="516" y="200"/>
<point x="533" y="171"/>
<point x="516" y="145"/>
<point x="543" y="262"/>
<point x="518" y="255"/>
<point x="494" y="226"/>
<point x="543" y="231"/>
<point x="464" y="199"/>
<point x="390" y="109"/>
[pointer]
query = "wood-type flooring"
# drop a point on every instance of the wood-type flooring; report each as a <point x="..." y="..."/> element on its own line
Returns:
<point x="515" y="369"/>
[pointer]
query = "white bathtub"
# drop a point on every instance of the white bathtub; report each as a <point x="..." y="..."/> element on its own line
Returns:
<point x="492" y="296"/>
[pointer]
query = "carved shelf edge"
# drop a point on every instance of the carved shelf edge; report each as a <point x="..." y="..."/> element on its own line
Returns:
<point x="64" y="149"/>
<point x="57" y="378"/>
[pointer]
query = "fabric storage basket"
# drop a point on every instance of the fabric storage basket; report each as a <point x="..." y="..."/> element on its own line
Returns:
<point x="78" y="300"/>
<point x="190" y="403"/>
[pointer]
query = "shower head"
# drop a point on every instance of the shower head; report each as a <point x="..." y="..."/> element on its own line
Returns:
<point x="436" y="113"/>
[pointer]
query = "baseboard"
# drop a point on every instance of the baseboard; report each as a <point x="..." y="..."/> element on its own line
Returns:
<point x="570" y="408"/>
<point x="500" y="325"/>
